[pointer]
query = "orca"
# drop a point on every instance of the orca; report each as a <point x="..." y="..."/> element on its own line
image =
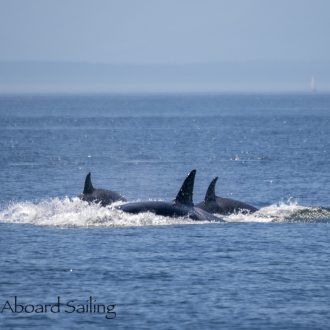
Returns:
<point x="102" y="196"/>
<point x="182" y="206"/>
<point x="224" y="206"/>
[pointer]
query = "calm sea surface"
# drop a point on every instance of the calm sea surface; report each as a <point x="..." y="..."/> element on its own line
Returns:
<point x="269" y="270"/>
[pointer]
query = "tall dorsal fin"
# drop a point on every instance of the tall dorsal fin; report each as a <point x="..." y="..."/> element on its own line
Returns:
<point x="210" y="193"/>
<point x="88" y="188"/>
<point x="185" y="194"/>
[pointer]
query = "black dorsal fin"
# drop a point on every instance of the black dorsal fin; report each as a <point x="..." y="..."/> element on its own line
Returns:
<point x="210" y="193"/>
<point x="88" y="188"/>
<point x="185" y="194"/>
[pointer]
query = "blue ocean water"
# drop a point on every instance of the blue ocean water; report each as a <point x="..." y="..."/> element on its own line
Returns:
<point x="269" y="270"/>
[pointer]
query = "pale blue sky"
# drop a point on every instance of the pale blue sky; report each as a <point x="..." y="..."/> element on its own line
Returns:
<point x="168" y="31"/>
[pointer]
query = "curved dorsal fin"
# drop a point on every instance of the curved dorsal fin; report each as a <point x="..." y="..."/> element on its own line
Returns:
<point x="210" y="193"/>
<point x="88" y="188"/>
<point x="185" y="194"/>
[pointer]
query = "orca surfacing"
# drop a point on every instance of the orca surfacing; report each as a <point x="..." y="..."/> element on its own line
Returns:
<point x="225" y="206"/>
<point x="182" y="206"/>
<point x="103" y="196"/>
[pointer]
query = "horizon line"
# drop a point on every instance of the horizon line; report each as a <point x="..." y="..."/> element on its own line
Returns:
<point x="220" y="61"/>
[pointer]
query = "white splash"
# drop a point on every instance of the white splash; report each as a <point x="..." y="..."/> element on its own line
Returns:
<point x="289" y="211"/>
<point x="72" y="212"/>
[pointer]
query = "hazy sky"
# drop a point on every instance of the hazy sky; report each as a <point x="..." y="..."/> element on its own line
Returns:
<point x="167" y="31"/>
